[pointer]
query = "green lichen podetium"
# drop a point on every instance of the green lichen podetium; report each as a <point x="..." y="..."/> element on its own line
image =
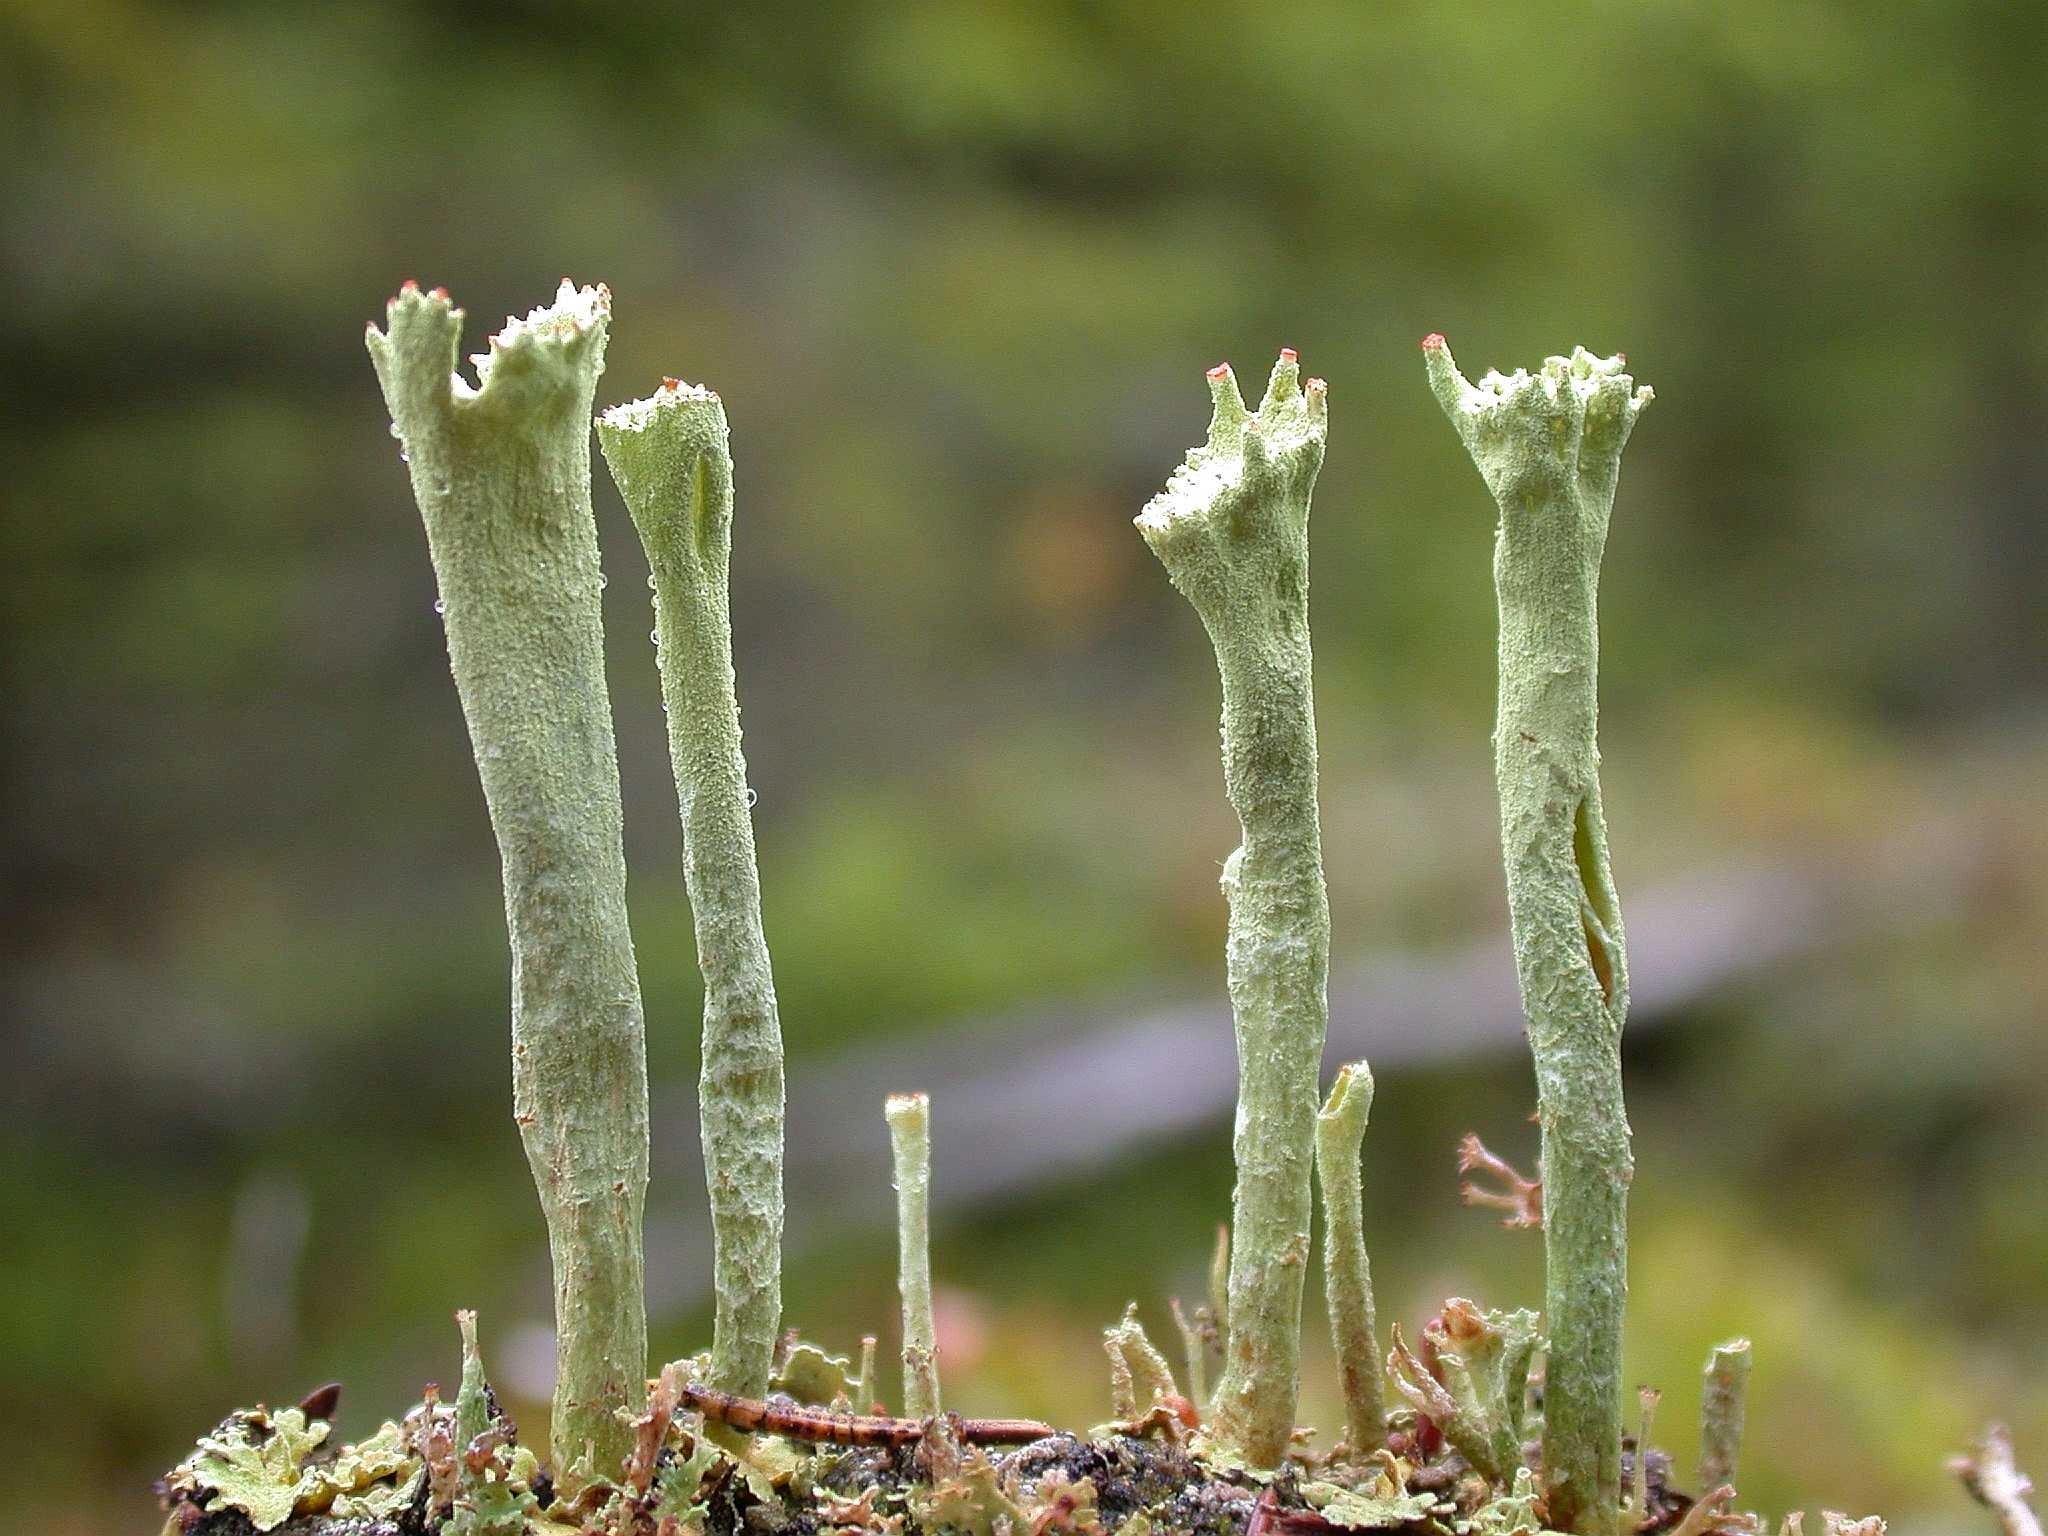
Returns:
<point x="1231" y="528"/>
<point x="910" y="1146"/>
<point x="1347" y="1275"/>
<point x="1549" y="446"/>
<point x="501" y="471"/>
<point x="1722" y="1400"/>
<point x="672" y="459"/>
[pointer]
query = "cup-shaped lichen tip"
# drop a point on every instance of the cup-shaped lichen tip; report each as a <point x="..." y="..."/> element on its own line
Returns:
<point x="678" y="422"/>
<point x="548" y="345"/>
<point x="1350" y="1094"/>
<point x="672" y="452"/>
<point x="1248" y="456"/>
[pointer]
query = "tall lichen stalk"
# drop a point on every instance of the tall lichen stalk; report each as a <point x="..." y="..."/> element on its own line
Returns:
<point x="1231" y="528"/>
<point x="1549" y="447"/>
<point x="501" y="472"/>
<point x="671" y="457"/>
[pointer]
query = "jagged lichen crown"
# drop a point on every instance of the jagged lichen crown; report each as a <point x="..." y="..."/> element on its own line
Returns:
<point x="551" y="355"/>
<point x="1568" y="421"/>
<point x="1255" y="465"/>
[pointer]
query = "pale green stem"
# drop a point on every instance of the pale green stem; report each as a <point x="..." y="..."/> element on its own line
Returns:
<point x="1722" y="1404"/>
<point x="1635" y="1509"/>
<point x="472" y="1401"/>
<point x="1549" y="448"/>
<point x="1231" y="528"/>
<point x="1195" y="1347"/>
<point x="1219" y="1282"/>
<point x="1347" y="1275"/>
<point x="671" y="458"/>
<point x="910" y="1143"/>
<point x="501" y="472"/>
<point x="868" y="1342"/>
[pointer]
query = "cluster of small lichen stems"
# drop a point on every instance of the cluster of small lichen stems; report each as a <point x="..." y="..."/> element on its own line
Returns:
<point x="500" y="471"/>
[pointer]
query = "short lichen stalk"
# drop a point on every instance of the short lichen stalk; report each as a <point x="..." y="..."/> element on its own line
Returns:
<point x="910" y="1147"/>
<point x="1549" y="449"/>
<point x="1723" y="1399"/>
<point x="1347" y="1274"/>
<point x="501" y="472"/>
<point x="671" y="457"/>
<point x="1231" y="528"/>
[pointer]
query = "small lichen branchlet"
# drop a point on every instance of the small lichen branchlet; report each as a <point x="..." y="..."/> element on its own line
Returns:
<point x="1520" y="1198"/>
<point x="1347" y="1274"/>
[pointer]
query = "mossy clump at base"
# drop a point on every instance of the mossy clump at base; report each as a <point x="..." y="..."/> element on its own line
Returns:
<point x="459" y="1470"/>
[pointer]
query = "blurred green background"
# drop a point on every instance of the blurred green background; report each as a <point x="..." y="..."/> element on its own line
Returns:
<point x="956" y="267"/>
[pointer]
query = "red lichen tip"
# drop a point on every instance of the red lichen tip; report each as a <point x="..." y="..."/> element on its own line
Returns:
<point x="438" y="293"/>
<point x="1220" y="371"/>
<point x="409" y="286"/>
<point x="1433" y="342"/>
<point x="1621" y="358"/>
<point x="1315" y="386"/>
<point x="670" y="384"/>
<point x="1289" y="355"/>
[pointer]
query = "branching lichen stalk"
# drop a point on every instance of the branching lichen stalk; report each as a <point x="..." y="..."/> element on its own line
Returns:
<point x="501" y="471"/>
<point x="1723" y="1398"/>
<point x="1549" y="447"/>
<point x="910" y="1145"/>
<point x="1994" y="1480"/>
<point x="1231" y="528"/>
<point x="672" y="459"/>
<point x="1347" y="1274"/>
